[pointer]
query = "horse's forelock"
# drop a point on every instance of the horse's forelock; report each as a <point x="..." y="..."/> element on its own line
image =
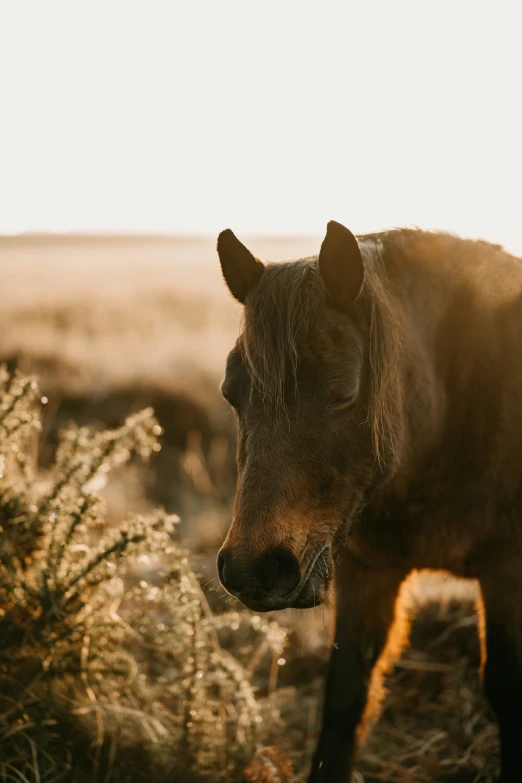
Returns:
<point x="276" y="321"/>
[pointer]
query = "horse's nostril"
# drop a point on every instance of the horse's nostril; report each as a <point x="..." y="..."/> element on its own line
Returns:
<point x="274" y="575"/>
<point x="280" y="571"/>
<point x="288" y="571"/>
<point x="220" y="565"/>
<point x="229" y="573"/>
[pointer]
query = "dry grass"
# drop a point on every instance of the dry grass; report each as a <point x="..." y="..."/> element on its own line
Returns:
<point x="114" y="326"/>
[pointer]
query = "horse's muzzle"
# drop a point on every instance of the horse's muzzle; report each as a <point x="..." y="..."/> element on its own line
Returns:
<point x="275" y="580"/>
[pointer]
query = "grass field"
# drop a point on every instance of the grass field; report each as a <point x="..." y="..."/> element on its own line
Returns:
<point x="114" y="324"/>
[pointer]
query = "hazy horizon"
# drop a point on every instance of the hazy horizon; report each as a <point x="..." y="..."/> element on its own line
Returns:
<point x="275" y="242"/>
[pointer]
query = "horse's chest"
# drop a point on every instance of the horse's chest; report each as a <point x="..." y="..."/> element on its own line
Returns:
<point x="434" y="534"/>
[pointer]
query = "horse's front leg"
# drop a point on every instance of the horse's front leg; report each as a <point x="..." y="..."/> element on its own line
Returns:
<point x="365" y="614"/>
<point x="501" y="587"/>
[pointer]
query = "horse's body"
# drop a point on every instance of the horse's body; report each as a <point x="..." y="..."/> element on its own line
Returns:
<point x="382" y="433"/>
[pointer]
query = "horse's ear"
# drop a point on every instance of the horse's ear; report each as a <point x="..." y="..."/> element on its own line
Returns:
<point x="240" y="268"/>
<point x="341" y="264"/>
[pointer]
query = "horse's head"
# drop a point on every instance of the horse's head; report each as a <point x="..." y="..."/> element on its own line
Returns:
<point x="299" y="379"/>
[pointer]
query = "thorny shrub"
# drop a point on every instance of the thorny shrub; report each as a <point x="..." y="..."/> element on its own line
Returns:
<point x="111" y="661"/>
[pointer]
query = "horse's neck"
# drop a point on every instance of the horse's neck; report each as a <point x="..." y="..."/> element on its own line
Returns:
<point x="458" y="317"/>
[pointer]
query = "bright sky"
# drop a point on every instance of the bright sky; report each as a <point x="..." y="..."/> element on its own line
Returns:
<point x="271" y="116"/>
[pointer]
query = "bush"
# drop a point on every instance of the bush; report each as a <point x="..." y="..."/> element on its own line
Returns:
<point x="111" y="664"/>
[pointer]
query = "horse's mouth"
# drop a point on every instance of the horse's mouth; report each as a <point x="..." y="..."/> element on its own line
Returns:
<point x="314" y="586"/>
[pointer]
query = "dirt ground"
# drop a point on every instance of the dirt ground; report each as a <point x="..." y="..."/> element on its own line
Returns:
<point x="112" y="324"/>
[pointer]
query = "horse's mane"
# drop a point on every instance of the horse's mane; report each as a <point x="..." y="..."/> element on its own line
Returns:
<point x="385" y="355"/>
<point x="279" y="311"/>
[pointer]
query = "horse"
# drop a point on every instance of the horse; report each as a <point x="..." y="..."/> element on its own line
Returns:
<point x="378" y="392"/>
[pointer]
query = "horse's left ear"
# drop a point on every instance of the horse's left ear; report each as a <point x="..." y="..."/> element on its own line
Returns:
<point x="240" y="268"/>
<point x="341" y="264"/>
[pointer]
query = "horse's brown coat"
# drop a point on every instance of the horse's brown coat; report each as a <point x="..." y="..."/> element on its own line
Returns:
<point x="383" y="421"/>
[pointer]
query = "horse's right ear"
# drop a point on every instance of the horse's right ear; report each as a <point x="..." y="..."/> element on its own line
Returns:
<point x="341" y="264"/>
<point x="240" y="268"/>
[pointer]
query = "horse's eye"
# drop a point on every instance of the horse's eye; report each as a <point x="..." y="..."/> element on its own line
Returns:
<point x="227" y="394"/>
<point x="342" y="402"/>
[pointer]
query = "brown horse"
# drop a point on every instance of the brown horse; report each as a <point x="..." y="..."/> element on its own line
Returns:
<point x="378" y="390"/>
